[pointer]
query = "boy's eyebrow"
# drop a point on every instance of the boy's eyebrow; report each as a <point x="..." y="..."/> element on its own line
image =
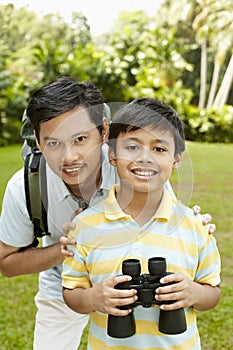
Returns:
<point x="164" y="141"/>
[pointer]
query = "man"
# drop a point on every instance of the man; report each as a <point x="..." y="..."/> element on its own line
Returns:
<point x="70" y="131"/>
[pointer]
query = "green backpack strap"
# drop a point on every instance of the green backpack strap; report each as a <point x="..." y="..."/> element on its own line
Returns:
<point x="35" y="182"/>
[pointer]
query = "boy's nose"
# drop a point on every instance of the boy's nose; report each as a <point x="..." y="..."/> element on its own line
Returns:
<point x="145" y="156"/>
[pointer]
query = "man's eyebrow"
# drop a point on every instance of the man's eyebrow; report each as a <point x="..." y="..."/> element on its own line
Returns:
<point x="81" y="132"/>
<point x="47" y="138"/>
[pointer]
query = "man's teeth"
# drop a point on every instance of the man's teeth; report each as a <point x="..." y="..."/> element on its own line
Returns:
<point x="74" y="170"/>
<point x="144" y="173"/>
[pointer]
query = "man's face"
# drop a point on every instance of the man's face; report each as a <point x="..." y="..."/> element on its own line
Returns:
<point x="71" y="145"/>
<point x="145" y="158"/>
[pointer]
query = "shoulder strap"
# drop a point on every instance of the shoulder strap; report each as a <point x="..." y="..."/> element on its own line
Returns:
<point x="36" y="191"/>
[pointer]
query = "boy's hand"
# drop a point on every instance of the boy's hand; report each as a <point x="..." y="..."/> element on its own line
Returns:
<point x="207" y="218"/>
<point x="182" y="292"/>
<point x="106" y="298"/>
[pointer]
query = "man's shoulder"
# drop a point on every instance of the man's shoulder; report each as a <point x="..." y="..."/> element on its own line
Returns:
<point x="17" y="179"/>
<point x="109" y="172"/>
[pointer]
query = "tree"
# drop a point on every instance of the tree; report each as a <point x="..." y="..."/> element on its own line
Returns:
<point x="212" y="20"/>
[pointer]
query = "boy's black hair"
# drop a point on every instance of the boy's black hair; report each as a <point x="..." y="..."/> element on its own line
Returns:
<point x="143" y="112"/>
<point x="63" y="95"/>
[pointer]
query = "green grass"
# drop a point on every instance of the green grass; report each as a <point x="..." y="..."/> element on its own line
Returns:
<point x="212" y="168"/>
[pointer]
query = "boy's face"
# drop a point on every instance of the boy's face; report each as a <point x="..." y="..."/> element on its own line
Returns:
<point x="71" y="145"/>
<point x="145" y="158"/>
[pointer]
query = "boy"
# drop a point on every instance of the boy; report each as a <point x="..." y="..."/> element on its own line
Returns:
<point x="139" y="219"/>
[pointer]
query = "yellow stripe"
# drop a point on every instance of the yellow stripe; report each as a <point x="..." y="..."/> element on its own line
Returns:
<point x="97" y="344"/>
<point x="171" y="243"/>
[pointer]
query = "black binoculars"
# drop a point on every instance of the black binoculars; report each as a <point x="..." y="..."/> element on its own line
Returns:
<point x="170" y="322"/>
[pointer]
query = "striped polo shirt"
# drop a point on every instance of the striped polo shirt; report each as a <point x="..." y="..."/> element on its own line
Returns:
<point x="106" y="236"/>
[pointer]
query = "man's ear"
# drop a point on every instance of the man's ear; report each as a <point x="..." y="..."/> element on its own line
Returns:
<point x="37" y="142"/>
<point x="112" y="156"/>
<point x="177" y="161"/>
<point x="105" y="129"/>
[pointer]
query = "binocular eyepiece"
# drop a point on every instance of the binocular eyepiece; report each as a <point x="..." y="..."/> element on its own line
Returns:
<point x="170" y="322"/>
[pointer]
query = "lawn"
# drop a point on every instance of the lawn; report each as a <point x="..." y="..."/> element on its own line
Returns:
<point x="205" y="179"/>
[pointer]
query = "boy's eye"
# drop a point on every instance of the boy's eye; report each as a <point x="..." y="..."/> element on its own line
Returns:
<point x="132" y="147"/>
<point x="159" y="149"/>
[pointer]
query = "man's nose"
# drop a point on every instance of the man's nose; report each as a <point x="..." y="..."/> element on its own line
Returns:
<point x="71" y="153"/>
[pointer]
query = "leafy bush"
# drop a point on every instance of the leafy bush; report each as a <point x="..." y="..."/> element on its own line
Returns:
<point x="209" y="125"/>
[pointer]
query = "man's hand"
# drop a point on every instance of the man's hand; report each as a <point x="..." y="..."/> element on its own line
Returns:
<point x="207" y="218"/>
<point x="65" y="240"/>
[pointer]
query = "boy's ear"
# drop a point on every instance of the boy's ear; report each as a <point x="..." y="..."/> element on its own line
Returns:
<point x="177" y="161"/>
<point x="105" y="129"/>
<point x="111" y="157"/>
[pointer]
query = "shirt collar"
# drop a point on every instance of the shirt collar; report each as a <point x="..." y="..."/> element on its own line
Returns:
<point x="114" y="212"/>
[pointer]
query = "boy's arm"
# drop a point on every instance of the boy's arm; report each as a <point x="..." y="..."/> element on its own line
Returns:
<point x="101" y="297"/>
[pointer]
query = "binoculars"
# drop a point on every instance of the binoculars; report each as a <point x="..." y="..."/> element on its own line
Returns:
<point x="170" y="322"/>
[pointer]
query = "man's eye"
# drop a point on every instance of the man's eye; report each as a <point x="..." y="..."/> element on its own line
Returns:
<point x="53" y="144"/>
<point x="80" y="139"/>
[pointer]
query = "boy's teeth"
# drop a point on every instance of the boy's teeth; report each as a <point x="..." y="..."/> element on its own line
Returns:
<point x="144" y="173"/>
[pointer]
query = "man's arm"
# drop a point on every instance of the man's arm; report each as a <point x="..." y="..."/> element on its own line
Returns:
<point x="15" y="262"/>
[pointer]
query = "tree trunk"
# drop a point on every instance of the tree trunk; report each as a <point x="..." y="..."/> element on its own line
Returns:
<point x="203" y="76"/>
<point x="214" y="83"/>
<point x="226" y="85"/>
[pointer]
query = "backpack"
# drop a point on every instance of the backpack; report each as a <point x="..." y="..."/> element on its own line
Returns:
<point x="35" y="184"/>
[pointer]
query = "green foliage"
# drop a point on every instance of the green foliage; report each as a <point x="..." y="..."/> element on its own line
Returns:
<point x="34" y="52"/>
<point x="156" y="57"/>
<point x="212" y="168"/>
<point x="10" y="162"/>
<point x="210" y="125"/>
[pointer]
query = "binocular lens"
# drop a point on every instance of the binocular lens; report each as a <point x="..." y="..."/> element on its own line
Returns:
<point x="157" y="266"/>
<point x="131" y="267"/>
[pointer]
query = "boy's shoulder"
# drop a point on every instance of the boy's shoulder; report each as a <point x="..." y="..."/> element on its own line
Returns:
<point x="188" y="219"/>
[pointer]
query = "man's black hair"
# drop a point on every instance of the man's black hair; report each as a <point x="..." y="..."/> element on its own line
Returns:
<point x="62" y="95"/>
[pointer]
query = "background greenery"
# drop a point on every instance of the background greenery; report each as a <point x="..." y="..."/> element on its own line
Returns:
<point x="181" y="54"/>
<point x="212" y="169"/>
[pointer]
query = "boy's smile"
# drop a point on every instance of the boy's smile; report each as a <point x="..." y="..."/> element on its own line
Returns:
<point x="145" y="158"/>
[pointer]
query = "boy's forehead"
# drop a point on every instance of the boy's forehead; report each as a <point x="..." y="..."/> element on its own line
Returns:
<point x="151" y="130"/>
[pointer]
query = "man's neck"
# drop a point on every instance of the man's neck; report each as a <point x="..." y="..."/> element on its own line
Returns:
<point x="86" y="191"/>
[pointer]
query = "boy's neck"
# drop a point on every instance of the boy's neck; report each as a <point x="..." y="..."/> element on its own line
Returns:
<point x="141" y="206"/>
